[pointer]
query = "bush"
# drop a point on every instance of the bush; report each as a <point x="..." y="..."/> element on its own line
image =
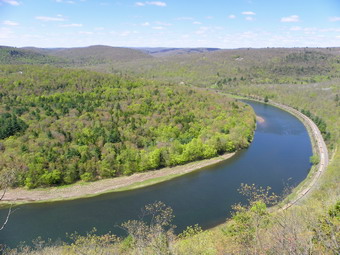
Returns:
<point x="314" y="159"/>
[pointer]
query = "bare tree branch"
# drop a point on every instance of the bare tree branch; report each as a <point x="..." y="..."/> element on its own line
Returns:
<point x="7" y="178"/>
<point x="3" y="194"/>
<point x="7" y="218"/>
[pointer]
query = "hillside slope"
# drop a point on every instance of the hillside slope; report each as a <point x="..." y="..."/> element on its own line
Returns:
<point x="240" y="66"/>
<point x="162" y="52"/>
<point x="99" y="54"/>
<point x="63" y="125"/>
<point x="11" y="55"/>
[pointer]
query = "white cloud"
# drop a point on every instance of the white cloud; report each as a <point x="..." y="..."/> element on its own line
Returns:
<point x="197" y="23"/>
<point x="45" y="18"/>
<point x="161" y="4"/>
<point x="71" y="25"/>
<point x="10" y="23"/>
<point x="66" y="2"/>
<point x="334" y="19"/>
<point x="11" y="2"/>
<point x="248" y="13"/>
<point x="156" y="3"/>
<point x="145" y="24"/>
<point x="158" y="28"/>
<point x="293" y="18"/>
<point x="231" y="16"/>
<point x="249" y="18"/>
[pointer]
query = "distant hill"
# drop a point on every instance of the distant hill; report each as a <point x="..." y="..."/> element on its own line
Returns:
<point x="12" y="55"/>
<point x="45" y="51"/>
<point x="232" y="67"/>
<point x="159" y="52"/>
<point x="98" y="54"/>
<point x="199" y="66"/>
<point x="85" y="56"/>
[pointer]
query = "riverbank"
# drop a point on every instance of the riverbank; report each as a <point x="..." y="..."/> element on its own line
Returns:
<point x="319" y="148"/>
<point x="89" y="189"/>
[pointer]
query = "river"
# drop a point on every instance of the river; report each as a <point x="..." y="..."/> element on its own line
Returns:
<point x="278" y="157"/>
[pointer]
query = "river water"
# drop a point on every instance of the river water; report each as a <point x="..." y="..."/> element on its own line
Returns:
<point x="278" y="157"/>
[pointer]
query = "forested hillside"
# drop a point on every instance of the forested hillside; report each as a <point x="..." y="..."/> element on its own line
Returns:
<point x="11" y="55"/>
<point x="225" y="68"/>
<point x="70" y="57"/>
<point x="60" y="125"/>
<point x="203" y="67"/>
<point x="94" y="55"/>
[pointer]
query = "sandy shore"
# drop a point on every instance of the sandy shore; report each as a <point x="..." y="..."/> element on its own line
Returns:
<point x="260" y="119"/>
<point x="81" y="189"/>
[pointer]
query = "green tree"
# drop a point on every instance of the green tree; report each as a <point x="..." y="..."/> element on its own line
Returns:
<point x="10" y="125"/>
<point x="314" y="159"/>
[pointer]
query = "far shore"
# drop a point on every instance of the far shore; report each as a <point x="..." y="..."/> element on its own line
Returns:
<point x="88" y="189"/>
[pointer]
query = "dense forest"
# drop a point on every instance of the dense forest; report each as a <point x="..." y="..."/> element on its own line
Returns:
<point x="59" y="126"/>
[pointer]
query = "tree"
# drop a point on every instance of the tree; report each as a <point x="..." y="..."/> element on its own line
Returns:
<point x="153" y="233"/>
<point x="10" y="125"/>
<point x="7" y="178"/>
<point x="314" y="159"/>
<point x="249" y="221"/>
<point x="327" y="230"/>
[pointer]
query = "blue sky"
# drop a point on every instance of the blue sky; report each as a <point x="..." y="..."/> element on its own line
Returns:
<point x="170" y="23"/>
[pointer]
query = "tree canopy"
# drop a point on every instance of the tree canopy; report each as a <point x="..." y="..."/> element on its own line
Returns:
<point x="65" y="125"/>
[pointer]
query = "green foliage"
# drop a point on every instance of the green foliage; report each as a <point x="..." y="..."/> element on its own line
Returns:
<point x="9" y="55"/>
<point x="327" y="231"/>
<point x="248" y="221"/>
<point x="193" y="240"/>
<point x="334" y="212"/>
<point x="10" y="125"/>
<point x="191" y="231"/>
<point x="91" y="244"/>
<point x="319" y="122"/>
<point x="314" y="159"/>
<point x="86" y="126"/>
